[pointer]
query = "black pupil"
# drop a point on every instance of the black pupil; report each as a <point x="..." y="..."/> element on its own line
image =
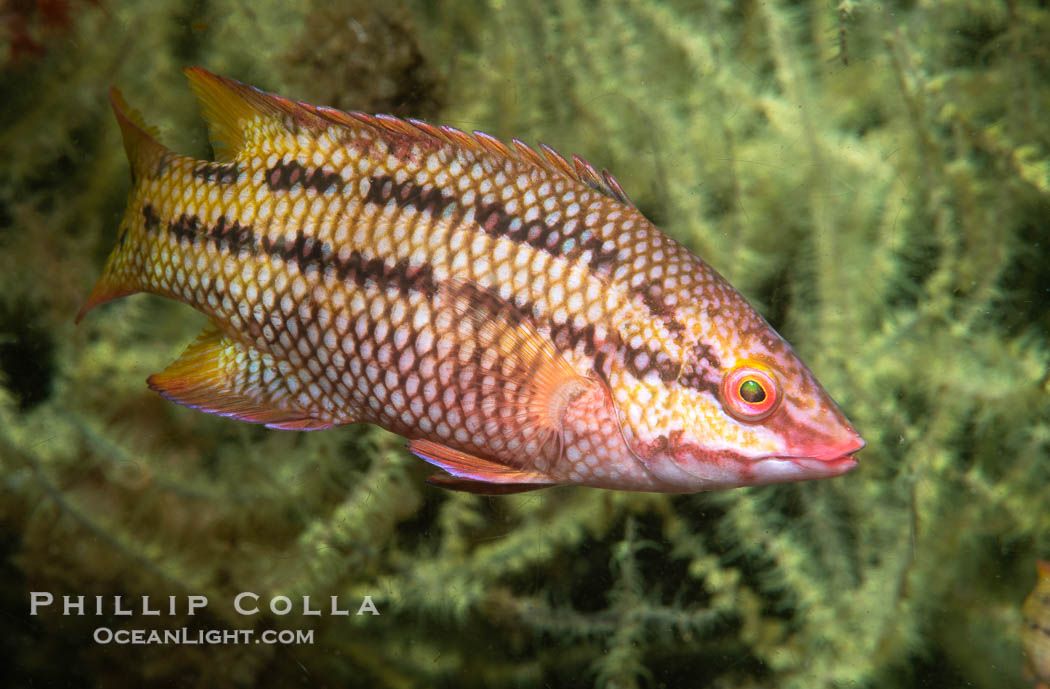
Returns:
<point x="752" y="392"/>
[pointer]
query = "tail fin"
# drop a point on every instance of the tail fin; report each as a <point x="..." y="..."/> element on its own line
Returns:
<point x="140" y="139"/>
<point x="144" y="154"/>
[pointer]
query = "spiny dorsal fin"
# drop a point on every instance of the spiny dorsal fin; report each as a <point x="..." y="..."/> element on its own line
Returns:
<point x="546" y="158"/>
<point x="234" y="112"/>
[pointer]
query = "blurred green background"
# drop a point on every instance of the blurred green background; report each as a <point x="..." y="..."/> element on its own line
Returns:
<point x="875" y="177"/>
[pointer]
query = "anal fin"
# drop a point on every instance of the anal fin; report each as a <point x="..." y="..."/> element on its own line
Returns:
<point x="219" y="376"/>
<point x="474" y="474"/>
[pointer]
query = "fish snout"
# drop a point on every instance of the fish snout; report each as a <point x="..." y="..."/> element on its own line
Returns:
<point x="828" y="455"/>
<point x="844" y="444"/>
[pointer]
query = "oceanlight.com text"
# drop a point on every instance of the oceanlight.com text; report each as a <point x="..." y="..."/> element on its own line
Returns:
<point x="201" y="637"/>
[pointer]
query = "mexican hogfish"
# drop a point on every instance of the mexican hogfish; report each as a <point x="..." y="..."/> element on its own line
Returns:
<point x="507" y="310"/>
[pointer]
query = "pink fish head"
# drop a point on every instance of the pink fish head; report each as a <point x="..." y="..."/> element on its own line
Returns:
<point x="791" y="428"/>
<point x="744" y="411"/>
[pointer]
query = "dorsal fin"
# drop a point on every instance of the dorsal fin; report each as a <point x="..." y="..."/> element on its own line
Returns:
<point x="579" y="170"/>
<point x="234" y="111"/>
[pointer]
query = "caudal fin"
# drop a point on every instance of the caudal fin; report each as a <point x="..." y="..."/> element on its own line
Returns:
<point x="140" y="139"/>
<point x="144" y="155"/>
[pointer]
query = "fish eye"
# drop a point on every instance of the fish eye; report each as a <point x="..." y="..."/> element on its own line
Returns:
<point x="750" y="393"/>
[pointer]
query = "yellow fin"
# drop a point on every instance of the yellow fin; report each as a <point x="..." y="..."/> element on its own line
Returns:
<point x="235" y="111"/>
<point x="110" y="286"/>
<point x="140" y="139"/>
<point x="215" y="375"/>
<point x="145" y="155"/>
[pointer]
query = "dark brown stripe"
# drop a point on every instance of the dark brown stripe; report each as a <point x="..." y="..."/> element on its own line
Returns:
<point x="233" y="236"/>
<point x="494" y="219"/>
<point x="149" y="218"/>
<point x="186" y="227"/>
<point x="226" y="236"/>
<point x="307" y="252"/>
<point x="638" y="361"/>
<point x="288" y="173"/>
<point x="654" y="299"/>
<point x="221" y="173"/>
<point x="304" y="251"/>
<point x="702" y="370"/>
<point x="666" y="368"/>
<point x="475" y="307"/>
<point x="641" y="362"/>
<point x="384" y="189"/>
<point x="401" y="275"/>
<point x="566" y="337"/>
<point x="592" y="248"/>
<point x="482" y="304"/>
<point x="601" y="366"/>
<point x="552" y="239"/>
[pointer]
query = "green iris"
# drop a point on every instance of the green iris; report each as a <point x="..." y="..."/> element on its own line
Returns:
<point x="752" y="392"/>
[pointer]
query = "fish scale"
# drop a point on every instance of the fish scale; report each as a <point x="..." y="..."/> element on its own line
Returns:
<point x="510" y="312"/>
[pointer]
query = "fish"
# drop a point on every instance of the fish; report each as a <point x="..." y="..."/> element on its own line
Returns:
<point x="1035" y="629"/>
<point x="507" y="310"/>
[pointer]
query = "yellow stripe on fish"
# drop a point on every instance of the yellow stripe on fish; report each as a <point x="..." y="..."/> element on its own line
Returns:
<point x="507" y="310"/>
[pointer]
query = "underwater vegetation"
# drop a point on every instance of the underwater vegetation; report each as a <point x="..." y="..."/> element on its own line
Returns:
<point x="874" y="177"/>
<point x="1035" y="633"/>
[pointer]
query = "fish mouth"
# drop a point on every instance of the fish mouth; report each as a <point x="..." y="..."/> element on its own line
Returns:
<point x="825" y="467"/>
<point x="832" y="461"/>
<point x="787" y="469"/>
<point x="826" y="462"/>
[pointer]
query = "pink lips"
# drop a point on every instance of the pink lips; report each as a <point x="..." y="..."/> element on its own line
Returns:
<point x="826" y="467"/>
<point x="835" y="459"/>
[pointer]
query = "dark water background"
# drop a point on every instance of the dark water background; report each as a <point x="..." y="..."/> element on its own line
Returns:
<point x="875" y="177"/>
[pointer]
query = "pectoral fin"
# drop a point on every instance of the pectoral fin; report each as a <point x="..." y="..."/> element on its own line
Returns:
<point x="219" y="376"/>
<point x="513" y="388"/>
<point x="523" y="382"/>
